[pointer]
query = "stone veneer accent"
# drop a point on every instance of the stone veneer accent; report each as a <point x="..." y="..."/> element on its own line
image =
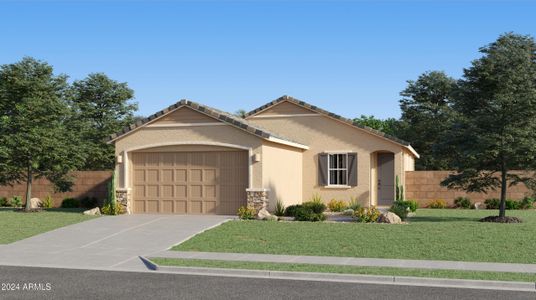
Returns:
<point x="123" y="196"/>
<point x="257" y="198"/>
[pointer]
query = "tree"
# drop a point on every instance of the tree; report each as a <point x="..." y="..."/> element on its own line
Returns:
<point x="240" y="113"/>
<point x="103" y="107"/>
<point x="390" y="126"/>
<point x="495" y="128"/>
<point x="426" y="114"/>
<point x="35" y="139"/>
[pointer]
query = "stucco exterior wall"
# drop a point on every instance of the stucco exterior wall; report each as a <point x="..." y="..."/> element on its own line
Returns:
<point x="322" y="133"/>
<point x="225" y="135"/>
<point x="282" y="174"/>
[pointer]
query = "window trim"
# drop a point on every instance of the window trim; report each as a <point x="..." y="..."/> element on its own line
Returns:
<point x="329" y="169"/>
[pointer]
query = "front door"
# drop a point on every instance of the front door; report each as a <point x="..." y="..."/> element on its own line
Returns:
<point x="386" y="182"/>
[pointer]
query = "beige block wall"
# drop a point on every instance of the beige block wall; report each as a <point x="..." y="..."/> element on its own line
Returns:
<point x="147" y="137"/>
<point x="282" y="173"/>
<point x="424" y="186"/>
<point x="321" y="134"/>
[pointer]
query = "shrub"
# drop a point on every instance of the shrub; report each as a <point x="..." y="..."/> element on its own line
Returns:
<point x="109" y="209"/>
<point x="279" y="208"/>
<point x="438" y="203"/>
<point x="307" y="214"/>
<point x="337" y="205"/>
<point x="462" y="202"/>
<point x="88" y="202"/>
<point x="316" y="198"/>
<point x="512" y="204"/>
<point x="527" y="203"/>
<point x="367" y="215"/>
<point x="3" y="201"/>
<point x="492" y="203"/>
<point x="246" y="213"/>
<point x="70" y="203"/>
<point x="354" y="205"/>
<point x="400" y="209"/>
<point x="316" y="207"/>
<point x="290" y="211"/>
<point x="412" y="204"/>
<point x="48" y="202"/>
<point x="16" y="201"/>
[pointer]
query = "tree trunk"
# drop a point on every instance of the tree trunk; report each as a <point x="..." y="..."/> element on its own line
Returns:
<point x="29" y="188"/>
<point x="504" y="186"/>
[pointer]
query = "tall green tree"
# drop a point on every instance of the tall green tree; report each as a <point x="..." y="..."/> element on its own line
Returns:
<point x="35" y="136"/>
<point x="426" y="115"/>
<point x="390" y="126"/>
<point x="104" y="106"/>
<point x="495" y="128"/>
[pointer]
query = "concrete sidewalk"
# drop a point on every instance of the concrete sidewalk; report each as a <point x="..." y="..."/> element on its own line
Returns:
<point x="352" y="261"/>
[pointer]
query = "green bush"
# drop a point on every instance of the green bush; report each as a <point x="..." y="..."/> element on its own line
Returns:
<point x="492" y="203"/>
<point x="438" y="203"/>
<point x="16" y="201"/>
<point x="337" y="205"/>
<point x="400" y="209"/>
<point x="354" y="204"/>
<point x="89" y="202"/>
<point x="367" y="215"/>
<point x="3" y="201"/>
<point x="412" y="205"/>
<point x="48" y="202"/>
<point x="279" y="208"/>
<point x="316" y="207"/>
<point x="246" y="213"/>
<point x="109" y="209"/>
<point x="462" y="202"/>
<point x="70" y="203"/>
<point x="512" y="204"/>
<point x="290" y="211"/>
<point x="307" y="214"/>
<point x="527" y="203"/>
<point x="316" y="198"/>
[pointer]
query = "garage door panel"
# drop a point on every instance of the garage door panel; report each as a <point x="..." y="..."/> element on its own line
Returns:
<point x="190" y="182"/>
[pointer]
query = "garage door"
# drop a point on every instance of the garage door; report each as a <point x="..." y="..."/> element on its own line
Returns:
<point x="189" y="182"/>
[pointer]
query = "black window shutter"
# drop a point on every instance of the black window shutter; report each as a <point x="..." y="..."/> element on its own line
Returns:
<point x="352" y="169"/>
<point x="322" y="169"/>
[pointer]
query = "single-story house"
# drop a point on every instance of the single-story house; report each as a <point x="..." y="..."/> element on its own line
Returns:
<point x="193" y="159"/>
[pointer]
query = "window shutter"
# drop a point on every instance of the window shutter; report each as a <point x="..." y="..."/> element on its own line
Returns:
<point x="322" y="169"/>
<point x="352" y="169"/>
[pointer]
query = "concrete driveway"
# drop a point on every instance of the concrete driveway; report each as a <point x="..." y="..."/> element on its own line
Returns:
<point x="109" y="243"/>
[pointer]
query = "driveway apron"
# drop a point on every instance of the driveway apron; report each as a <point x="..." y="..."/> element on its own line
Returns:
<point x="106" y="242"/>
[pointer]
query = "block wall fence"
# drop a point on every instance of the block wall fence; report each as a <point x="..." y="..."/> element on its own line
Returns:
<point x="424" y="186"/>
<point x="86" y="184"/>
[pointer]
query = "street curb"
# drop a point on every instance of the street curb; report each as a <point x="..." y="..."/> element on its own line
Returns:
<point x="353" y="278"/>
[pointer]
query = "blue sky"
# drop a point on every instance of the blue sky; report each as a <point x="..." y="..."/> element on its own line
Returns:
<point x="351" y="58"/>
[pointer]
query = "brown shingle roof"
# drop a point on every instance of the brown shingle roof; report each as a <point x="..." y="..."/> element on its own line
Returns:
<point x="327" y="113"/>
<point x="215" y="113"/>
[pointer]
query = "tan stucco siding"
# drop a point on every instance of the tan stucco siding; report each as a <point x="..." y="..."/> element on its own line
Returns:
<point x="321" y="134"/>
<point x="226" y="135"/>
<point x="184" y="115"/>
<point x="282" y="174"/>
<point x="285" y="108"/>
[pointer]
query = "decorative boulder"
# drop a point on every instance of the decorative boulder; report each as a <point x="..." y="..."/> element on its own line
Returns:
<point x="478" y="205"/>
<point x="348" y="212"/>
<point x="35" y="203"/>
<point x="389" y="218"/>
<point x="263" y="214"/>
<point x="93" y="212"/>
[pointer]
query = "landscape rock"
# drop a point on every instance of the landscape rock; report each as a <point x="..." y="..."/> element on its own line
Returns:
<point x="348" y="212"/>
<point x="389" y="218"/>
<point x="93" y="212"/>
<point x="479" y="205"/>
<point x="271" y="218"/>
<point x="263" y="214"/>
<point x="35" y="203"/>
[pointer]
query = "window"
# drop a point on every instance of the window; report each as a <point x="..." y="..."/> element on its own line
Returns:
<point x="338" y="169"/>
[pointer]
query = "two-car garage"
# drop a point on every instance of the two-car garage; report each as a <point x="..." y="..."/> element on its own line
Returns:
<point x="210" y="180"/>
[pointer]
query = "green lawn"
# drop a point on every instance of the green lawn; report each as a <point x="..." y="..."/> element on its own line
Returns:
<point x="293" y="267"/>
<point x="17" y="225"/>
<point x="446" y="234"/>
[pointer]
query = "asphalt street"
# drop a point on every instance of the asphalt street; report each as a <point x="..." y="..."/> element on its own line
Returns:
<point x="52" y="283"/>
